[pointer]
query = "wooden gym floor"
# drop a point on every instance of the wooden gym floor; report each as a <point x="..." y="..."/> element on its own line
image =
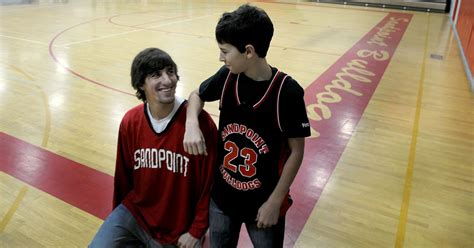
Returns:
<point x="389" y="164"/>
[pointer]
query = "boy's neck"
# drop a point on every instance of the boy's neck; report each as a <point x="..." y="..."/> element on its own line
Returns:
<point x="259" y="70"/>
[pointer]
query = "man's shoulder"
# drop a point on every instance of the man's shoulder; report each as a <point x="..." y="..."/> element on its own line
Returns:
<point x="204" y="116"/>
<point x="133" y="113"/>
<point x="206" y="121"/>
<point x="137" y="109"/>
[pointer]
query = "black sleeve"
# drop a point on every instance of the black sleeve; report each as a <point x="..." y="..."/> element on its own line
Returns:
<point x="293" y="117"/>
<point x="211" y="89"/>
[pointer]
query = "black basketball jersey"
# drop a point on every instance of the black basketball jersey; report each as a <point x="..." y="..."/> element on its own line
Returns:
<point x="252" y="147"/>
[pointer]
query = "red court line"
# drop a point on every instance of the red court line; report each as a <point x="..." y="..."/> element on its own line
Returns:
<point x="74" y="183"/>
<point x="57" y="61"/>
<point x="78" y="74"/>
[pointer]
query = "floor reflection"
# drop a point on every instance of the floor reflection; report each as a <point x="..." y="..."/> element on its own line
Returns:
<point x="24" y="2"/>
<point x="418" y="5"/>
<point x="14" y="2"/>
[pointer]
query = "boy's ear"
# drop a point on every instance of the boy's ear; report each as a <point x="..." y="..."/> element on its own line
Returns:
<point x="250" y="51"/>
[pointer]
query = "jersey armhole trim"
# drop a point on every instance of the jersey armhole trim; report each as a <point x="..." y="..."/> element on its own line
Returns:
<point x="268" y="90"/>
<point x="278" y="103"/>
<point x="223" y="89"/>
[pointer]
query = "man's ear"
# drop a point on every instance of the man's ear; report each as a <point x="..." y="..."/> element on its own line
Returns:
<point x="250" y="51"/>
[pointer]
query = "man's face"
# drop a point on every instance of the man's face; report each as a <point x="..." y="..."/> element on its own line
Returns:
<point x="232" y="58"/>
<point x="160" y="88"/>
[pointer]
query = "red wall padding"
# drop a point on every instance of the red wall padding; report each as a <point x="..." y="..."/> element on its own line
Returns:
<point x="465" y="29"/>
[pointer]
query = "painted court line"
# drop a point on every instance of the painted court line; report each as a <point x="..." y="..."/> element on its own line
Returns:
<point x="67" y="68"/>
<point x="135" y="30"/>
<point x="6" y="219"/>
<point x="47" y="126"/>
<point x="335" y="103"/>
<point x="26" y="40"/>
<point x="411" y="157"/>
<point x="73" y="183"/>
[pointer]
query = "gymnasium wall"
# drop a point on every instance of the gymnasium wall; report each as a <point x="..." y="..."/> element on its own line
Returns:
<point x="462" y="15"/>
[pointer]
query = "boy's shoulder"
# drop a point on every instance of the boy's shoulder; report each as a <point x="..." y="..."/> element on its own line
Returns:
<point x="290" y="84"/>
<point x="283" y="73"/>
<point x="220" y="74"/>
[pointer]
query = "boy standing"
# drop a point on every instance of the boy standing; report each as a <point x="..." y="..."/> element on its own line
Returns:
<point x="262" y="126"/>
<point x="161" y="193"/>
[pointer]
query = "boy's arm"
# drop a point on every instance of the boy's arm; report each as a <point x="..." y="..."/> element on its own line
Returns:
<point x="206" y="179"/>
<point x="194" y="142"/>
<point x="270" y="210"/>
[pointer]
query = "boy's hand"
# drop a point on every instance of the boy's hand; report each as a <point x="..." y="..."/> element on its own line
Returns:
<point x="194" y="142"/>
<point x="268" y="214"/>
<point x="187" y="241"/>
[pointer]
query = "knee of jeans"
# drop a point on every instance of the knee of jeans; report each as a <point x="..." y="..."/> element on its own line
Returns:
<point x="97" y="243"/>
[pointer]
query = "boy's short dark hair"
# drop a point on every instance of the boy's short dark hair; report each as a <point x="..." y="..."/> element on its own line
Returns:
<point x="147" y="63"/>
<point x="247" y="25"/>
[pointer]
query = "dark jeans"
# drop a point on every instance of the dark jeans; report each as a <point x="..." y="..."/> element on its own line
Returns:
<point x="224" y="231"/>
<point x="121" y="229"/>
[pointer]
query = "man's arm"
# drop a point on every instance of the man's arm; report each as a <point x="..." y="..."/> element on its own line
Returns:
<point x="269" y="212"/>
<point x="123" y="179"/>
<point x="194" y="142"/>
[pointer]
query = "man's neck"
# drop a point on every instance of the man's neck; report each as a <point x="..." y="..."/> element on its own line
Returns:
<point x="259" y="70"/>
<point x="160" y="111"/>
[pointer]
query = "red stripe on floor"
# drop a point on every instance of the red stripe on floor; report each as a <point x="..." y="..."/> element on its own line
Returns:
<point x="74" y="183"/>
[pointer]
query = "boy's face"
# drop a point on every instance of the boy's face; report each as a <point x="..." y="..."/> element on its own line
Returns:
<point x="160" y="88"/>
<point x="232" y="58"/>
